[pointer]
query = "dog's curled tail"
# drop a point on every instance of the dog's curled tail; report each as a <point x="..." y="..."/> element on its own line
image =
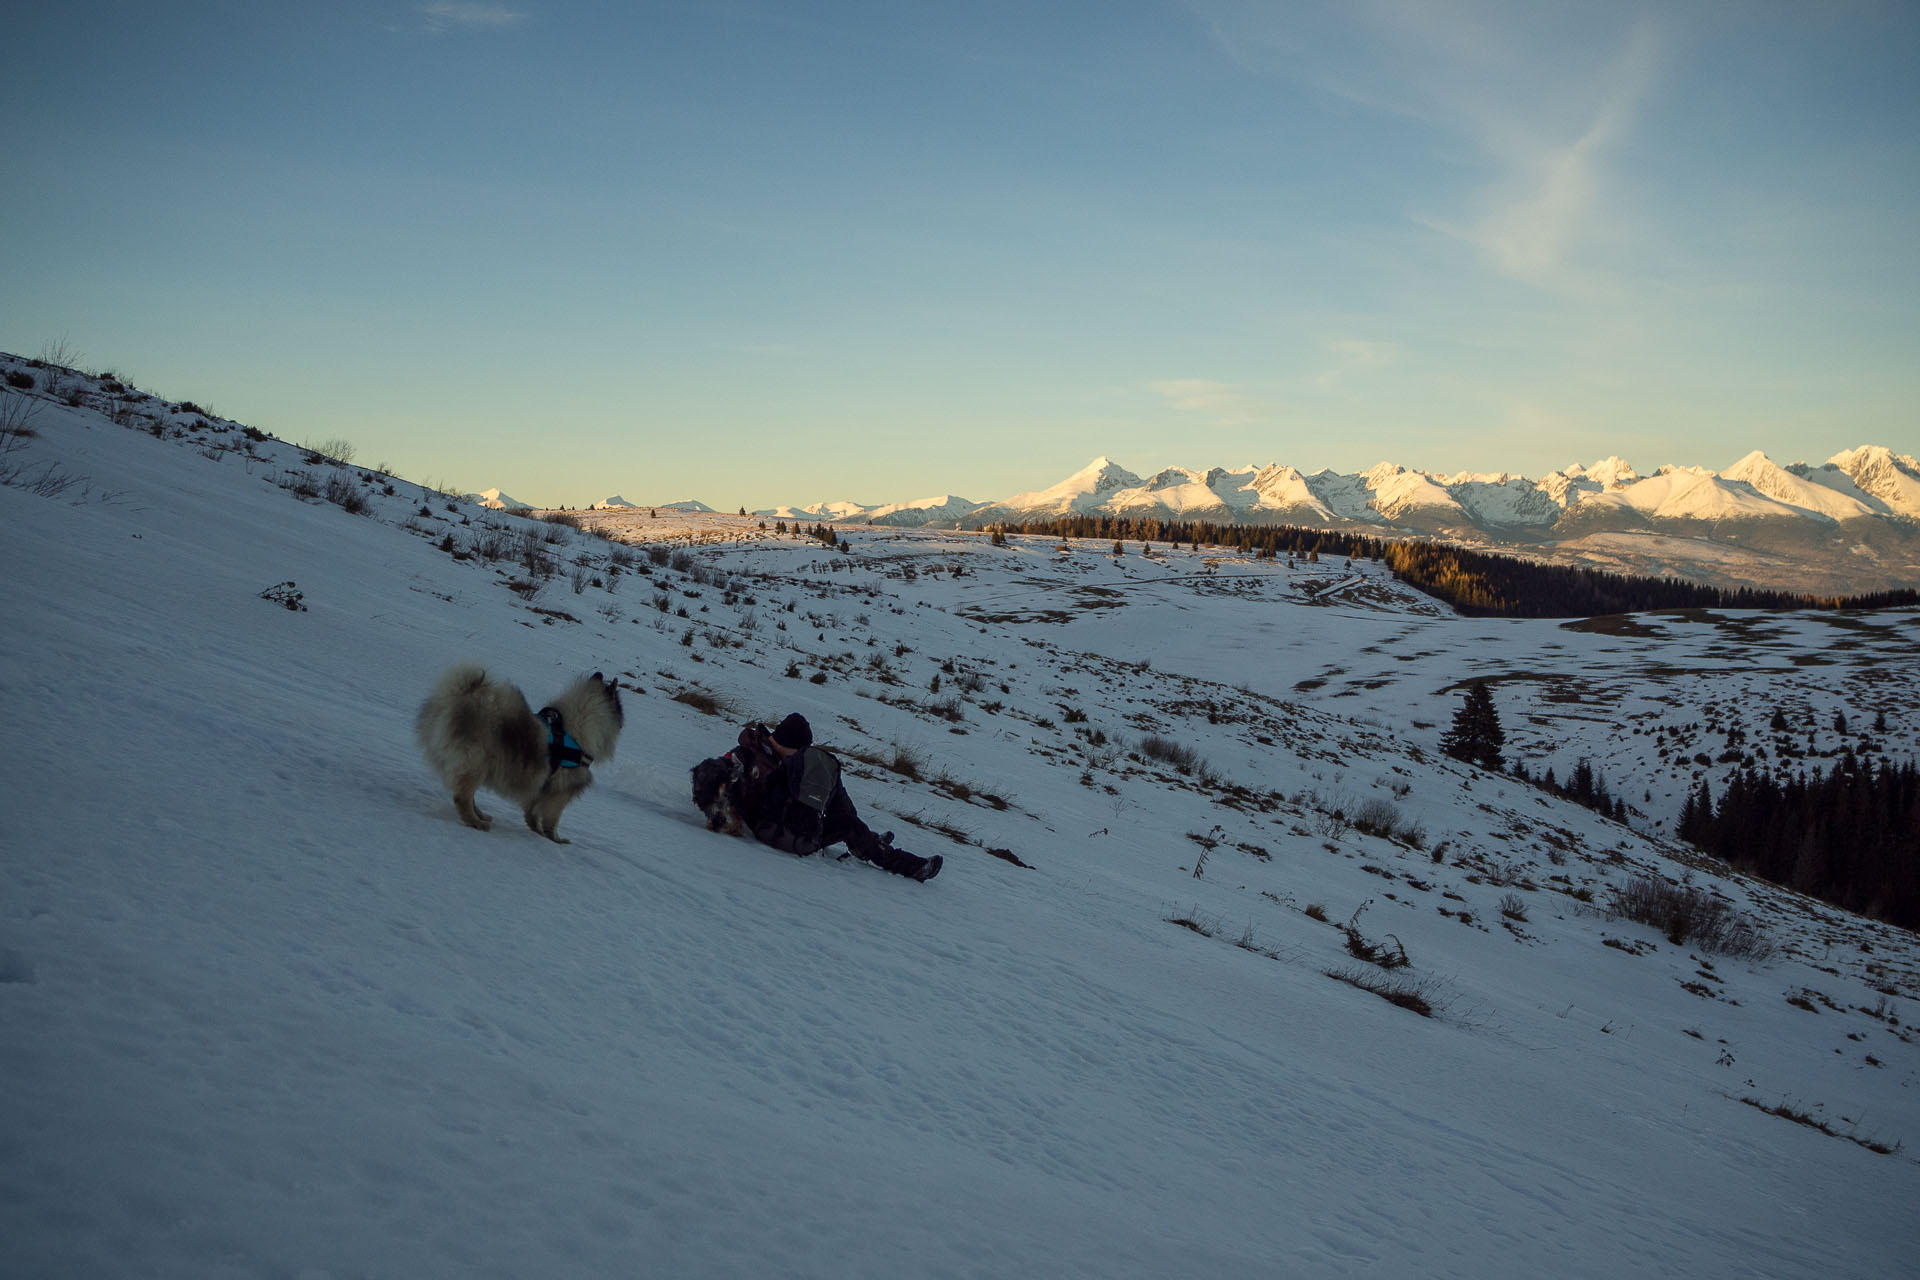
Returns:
<point x="461" y="681"/>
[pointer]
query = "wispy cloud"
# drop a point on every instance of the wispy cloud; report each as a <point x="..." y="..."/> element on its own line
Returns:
<point x="1548" y="105"/>
<point x="1542" y="221"/>
<point x="449" y="15"/>
<point x="1224" y="403"/>
<point x="1351" y="355"/>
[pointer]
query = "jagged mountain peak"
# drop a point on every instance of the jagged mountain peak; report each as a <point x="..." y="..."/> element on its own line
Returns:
<point x="499" y="500"/>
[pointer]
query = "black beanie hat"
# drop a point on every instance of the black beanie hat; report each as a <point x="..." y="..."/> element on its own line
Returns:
<point x="794" y="732"/>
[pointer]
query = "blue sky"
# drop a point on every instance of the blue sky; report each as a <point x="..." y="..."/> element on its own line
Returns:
<point x="760" y="253"/>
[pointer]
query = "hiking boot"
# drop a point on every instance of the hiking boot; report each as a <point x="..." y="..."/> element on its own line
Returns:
<point x="929" y="868"/>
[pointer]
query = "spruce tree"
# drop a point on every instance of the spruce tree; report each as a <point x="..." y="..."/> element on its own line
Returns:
<point x="1476" y="736"/>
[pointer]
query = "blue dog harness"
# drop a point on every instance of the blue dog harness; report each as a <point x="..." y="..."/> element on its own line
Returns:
<point x="562" y="751"/>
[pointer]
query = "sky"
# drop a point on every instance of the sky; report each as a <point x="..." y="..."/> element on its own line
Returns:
<point x="762" y="253"/>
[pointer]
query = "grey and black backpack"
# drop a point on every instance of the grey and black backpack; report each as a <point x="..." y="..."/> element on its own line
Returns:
<point x="807" y="802"/>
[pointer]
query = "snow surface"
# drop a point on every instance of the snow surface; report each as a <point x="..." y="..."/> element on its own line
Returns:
<point x="269" y="1010"/>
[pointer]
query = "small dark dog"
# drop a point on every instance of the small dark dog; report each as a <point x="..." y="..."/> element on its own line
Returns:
<point x="716" y="791"/>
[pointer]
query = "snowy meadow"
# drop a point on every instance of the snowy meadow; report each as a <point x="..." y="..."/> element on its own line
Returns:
<point x="1230" y="971"/>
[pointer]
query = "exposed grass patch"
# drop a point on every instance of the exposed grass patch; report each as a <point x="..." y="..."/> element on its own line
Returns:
<point x="1406" y="992"/>
<point x="1787" y="1111"/>
<point x="702" y="701"/>
<point x="1362" y="947"/>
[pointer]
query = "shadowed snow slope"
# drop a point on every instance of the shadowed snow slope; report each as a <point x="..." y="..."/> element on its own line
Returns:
<point x="270" y="1010"/>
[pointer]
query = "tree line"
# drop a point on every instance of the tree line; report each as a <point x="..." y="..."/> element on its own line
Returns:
<point x="1851" y="838"/>
<point x="1476" y="583"/>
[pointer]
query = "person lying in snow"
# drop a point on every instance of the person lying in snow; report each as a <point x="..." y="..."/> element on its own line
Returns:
<point x="787" y="792"/>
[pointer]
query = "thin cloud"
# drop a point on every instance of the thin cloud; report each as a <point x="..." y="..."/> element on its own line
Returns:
<point x="449" y="15"/>
<point x="1223" y="402"/>
<point x="1351" y="355"/>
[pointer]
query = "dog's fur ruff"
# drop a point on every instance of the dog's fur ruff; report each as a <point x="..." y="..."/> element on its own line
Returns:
<point x="479" y="732"/>
<point x="716" y="791"/>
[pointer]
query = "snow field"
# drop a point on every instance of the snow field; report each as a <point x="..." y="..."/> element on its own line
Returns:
<point x="287" y="1017"/>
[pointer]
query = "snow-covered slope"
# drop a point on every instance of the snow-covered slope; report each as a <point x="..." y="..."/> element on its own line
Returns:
<point x="1086" y="490"/>
<point x="269" y="1010"/>
<point x="944" y="508"/>
<point x="1772" y="480"/>
<point x="1892" y="478"/>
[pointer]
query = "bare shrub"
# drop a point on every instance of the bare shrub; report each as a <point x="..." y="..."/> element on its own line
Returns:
<point x="334" y="450"/>
<point x="61" y="361"/>
<point x="1183" y="758"/>
<point x="948" y="709"/>
<point x="1686" y="914"/>
<point x="1377" y="817"/>
<point x="529" y="550"/>
<point x="1362" y="947"/>
<point x="17" y="413"/>
<point x="905" y="761"/>
<point x="1514" y="907"/>
<point x="491" y="543"/>
<point x="344" y="492"/>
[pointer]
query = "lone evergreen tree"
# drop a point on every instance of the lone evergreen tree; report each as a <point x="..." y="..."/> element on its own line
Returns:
<point x="1476" y="736"/>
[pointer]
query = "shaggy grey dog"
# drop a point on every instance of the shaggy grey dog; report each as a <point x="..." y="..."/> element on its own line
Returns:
<point x="479" y="732"/>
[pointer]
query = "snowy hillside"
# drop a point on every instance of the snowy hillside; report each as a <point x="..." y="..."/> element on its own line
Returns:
<point x="270" y="1010"/>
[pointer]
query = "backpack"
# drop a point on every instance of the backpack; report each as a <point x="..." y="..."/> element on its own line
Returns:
<point x="804" y="817"/>
<point x="819" y="776"/>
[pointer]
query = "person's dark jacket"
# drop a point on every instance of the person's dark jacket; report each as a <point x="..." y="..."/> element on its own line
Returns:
<point x="778" y="817"/>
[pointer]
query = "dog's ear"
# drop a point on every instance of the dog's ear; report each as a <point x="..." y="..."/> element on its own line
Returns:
<point x="597" y="678"/>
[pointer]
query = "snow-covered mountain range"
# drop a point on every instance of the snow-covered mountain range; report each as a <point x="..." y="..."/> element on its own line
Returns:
<point x="1851" y="523"/>
<point x="1870" y="482"/>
